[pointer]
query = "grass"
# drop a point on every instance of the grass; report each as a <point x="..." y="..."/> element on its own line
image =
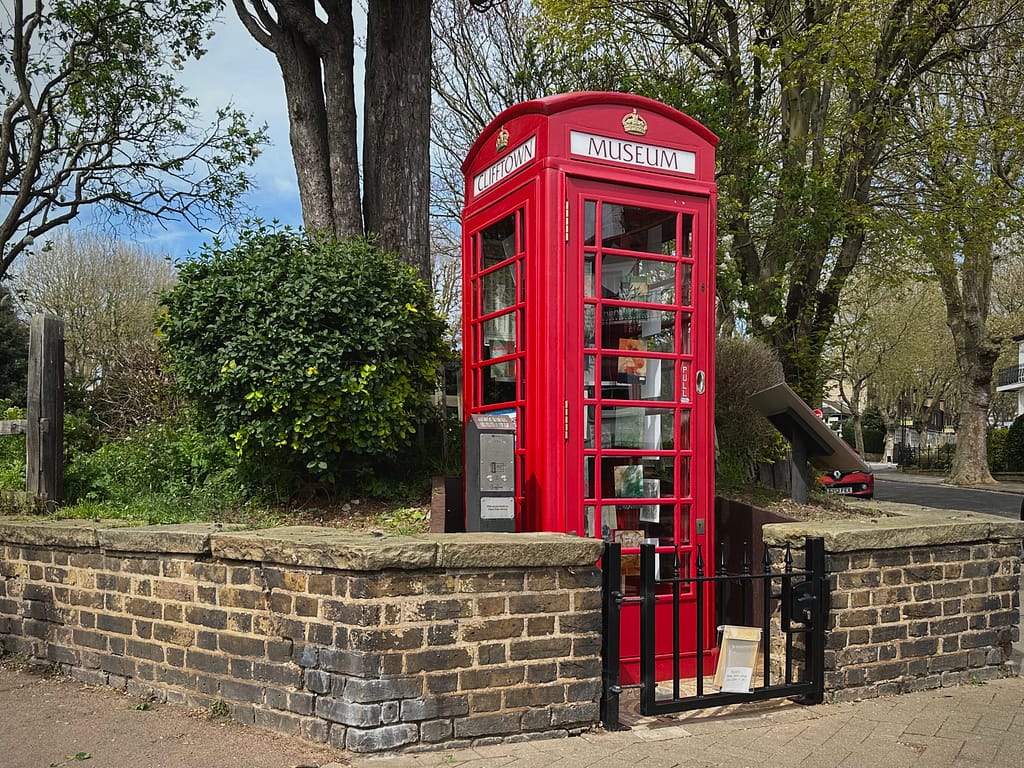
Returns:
<point x="174" y="472"/>
<point x="219" y="710"/>
<point x="156" y="509"/>
<point x="405" y="521"/>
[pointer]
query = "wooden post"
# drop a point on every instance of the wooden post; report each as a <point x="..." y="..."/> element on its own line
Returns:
<point x="44" y="434"/>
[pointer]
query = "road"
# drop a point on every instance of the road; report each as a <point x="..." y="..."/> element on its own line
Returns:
<point x="891" y="485"/>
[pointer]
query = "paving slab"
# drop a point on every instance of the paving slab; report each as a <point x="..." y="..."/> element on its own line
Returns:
<point x="48" y="721"/>
<point x="916" y="730"/>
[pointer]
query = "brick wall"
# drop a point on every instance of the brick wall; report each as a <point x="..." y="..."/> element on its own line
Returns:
<point x="922" y="617"/>
<point x="431" y="641"/>
<point x="917" y="602"/>
<point x="368" y="645"/>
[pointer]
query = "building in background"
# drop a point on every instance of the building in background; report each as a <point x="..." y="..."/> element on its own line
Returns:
<point x="1012" y="379"/>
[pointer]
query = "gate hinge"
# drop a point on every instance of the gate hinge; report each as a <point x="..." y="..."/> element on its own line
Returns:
<point x="567" y="221"/>
<point x="566" y="419"/>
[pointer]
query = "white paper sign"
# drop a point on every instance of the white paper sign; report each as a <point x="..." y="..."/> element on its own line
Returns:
<point x="737" y="680"/>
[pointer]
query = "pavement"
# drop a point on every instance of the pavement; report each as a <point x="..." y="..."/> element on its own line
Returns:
<point x="971" y="726"/>
<point x="892" y="472"/>
<point x="47" y="721"/>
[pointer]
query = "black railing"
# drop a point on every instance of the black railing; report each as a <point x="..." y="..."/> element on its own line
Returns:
<point x="801" y="594"/>
<point x="938" y="457"/>
<point x="1012" y="375"/>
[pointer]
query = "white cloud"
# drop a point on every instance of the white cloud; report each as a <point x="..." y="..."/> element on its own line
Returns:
<point x="237" y="70"/>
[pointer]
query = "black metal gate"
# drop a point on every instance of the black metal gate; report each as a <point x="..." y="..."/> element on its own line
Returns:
<point x="800" y="596"/>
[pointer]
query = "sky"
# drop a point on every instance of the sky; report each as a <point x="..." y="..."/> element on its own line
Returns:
<point x="239" y="71"/>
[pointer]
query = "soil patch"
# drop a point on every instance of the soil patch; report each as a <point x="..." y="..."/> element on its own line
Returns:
<point x="52" y="721"/>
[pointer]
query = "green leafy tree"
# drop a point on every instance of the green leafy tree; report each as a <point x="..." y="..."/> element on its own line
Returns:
<point x="1014" y="446"/>
<point x="305" y="352"/>
<point x="964" y="200"/>
<point x="875" y="318"/>
<point x="13" y="351"/>
<point x="92" y="116"/>
<point x="890" y="342"/>
<point x="807" y="99"/>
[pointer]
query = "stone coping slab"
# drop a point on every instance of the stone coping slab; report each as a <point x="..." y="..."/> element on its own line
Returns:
<point x="908" y="526"/>
<point x="179" y="538"/>
<point x="310" y="546"/>
<point x="330" y="548"/>
<point x="504" y="550"/>
<point x="74" y="533"/>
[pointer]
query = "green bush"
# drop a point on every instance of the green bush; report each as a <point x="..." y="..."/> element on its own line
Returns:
<point x="997" y="449"/>
<point x="944" y="456"/>
<point x="160" y="473"/>
<point x="12" y="452"/>
<point x="1015" y="446"/>
<point x="873" y="430"/>
<point x="405" y="476"/>
<point x="305" y="353"/>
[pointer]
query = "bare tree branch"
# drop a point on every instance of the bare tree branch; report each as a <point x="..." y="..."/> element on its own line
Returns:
<point x="92" y="121"/>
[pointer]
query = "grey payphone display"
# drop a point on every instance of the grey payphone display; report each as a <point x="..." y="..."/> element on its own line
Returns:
<point x="490" y="473"/>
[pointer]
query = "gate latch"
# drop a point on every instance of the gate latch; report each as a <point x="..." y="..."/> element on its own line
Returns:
<point x="802" y="602"/>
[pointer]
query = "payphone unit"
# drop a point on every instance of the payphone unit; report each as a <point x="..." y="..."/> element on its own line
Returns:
<point x="490" y="473"/>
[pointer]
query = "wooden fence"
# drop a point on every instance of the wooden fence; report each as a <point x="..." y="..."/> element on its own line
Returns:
<point x="43" y="426"/>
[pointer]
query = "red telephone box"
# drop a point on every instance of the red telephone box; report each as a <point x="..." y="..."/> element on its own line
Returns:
<point x="588" y="316"/>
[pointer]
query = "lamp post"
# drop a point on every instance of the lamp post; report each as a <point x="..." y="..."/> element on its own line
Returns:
<point x="914" y="412"/>
<point x="903" y="430"/>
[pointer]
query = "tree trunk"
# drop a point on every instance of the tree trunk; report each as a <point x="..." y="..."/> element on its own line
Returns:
<point x="316" y="59"/>
<point x="337" y="51"/>
<point x="976" y="354"/>
<point x="857" y="417"/>
<point x="970" y="461"/>
<point x="858" y="433"/>
<point x="396" y="144"/>
<point x="307" y="118"/>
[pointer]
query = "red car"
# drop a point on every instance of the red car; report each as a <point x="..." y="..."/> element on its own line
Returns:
<point x="849" y="483"/>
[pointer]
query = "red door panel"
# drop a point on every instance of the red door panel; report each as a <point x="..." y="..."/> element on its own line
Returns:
<point x="638" y="309"/>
